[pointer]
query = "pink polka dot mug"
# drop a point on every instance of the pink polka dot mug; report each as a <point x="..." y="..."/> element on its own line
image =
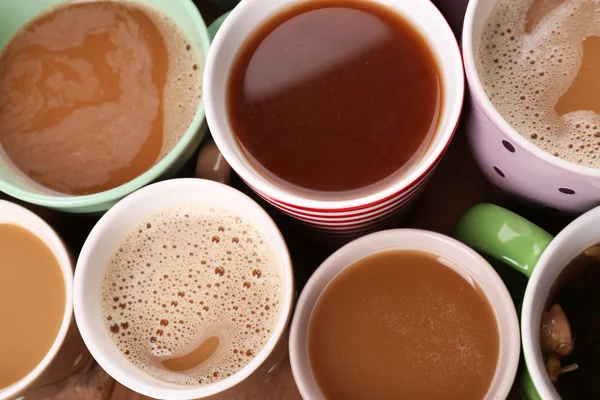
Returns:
<point x="510" y="161"/>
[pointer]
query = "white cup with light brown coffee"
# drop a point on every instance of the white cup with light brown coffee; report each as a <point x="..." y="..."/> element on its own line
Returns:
<point x="404" y="314"/>
<point x="184" y="290"/>
<point x="40" y="345"/>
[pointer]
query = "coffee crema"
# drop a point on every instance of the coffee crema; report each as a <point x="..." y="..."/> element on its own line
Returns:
<point x="335" y="98"/>
<point x="539" y="63"/>
<point x="32" y="302"/>
<point x="93" y="94"/>
<point x="401" y="324"/>
<point x="192" y="295"/>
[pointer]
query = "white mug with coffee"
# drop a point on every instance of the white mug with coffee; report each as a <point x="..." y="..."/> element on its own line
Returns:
<point x="533" y="123"/>
<point x="41" y="345"/>
<point x="412" y="338"/>
<point x="184" y="290"/>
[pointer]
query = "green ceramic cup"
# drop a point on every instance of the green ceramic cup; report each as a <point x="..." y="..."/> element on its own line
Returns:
<point x="511" y="239"/>
<point x="16" y="13"/>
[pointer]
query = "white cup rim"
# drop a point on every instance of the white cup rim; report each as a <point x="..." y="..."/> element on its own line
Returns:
<point x="480" y="97"/>
<point x="330" y="268"/>
<point x="453" y="102"/>
<point x="161" y="389"/>
<point x="18" y="215"/>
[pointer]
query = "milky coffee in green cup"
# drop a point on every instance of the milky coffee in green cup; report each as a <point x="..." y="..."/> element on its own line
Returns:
<point x="14" y="15"/>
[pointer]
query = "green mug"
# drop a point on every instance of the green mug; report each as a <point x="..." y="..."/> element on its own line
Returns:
<point x="13" y="16"/>
<point x="511" y="239"/>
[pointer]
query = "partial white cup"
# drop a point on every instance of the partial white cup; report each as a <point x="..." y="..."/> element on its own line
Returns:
<point x="459" y="257"/>
<point x="106" y="238"/>
<point x="581" y="234"/>
<point x="67" y="353"/>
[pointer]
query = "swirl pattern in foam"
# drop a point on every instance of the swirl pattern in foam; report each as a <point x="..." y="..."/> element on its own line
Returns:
<point x="93" y="94"/>
<point x="187" y="279"/>
<point x="539" y="63"/>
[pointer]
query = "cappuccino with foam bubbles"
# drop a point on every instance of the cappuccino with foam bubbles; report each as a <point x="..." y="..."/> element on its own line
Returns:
<point x="192" y="294"/>
<point x="539" y="63"/>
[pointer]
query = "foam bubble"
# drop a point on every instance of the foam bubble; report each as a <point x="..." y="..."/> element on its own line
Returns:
<point x="170" y="286"/>
<point x="525" y="74"/>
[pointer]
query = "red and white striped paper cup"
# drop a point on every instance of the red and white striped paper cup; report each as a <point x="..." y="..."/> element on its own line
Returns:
<point x="346" y="218"/>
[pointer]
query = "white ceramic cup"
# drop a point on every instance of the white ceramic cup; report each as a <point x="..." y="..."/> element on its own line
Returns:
<point x="509" y="160"/>
<point x="459" y="257"/>
<point x="106" y="238"/>
<point x="67" y="353"/>
<point x="336" y="218"/>
<point x="568" y="244"/>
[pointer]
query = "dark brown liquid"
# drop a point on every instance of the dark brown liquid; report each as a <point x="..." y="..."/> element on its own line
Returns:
<point x="577" y="292"/>
<point x="402" y="325"/>
<point x="335" y="96"/>
<point x="81" y="96"/>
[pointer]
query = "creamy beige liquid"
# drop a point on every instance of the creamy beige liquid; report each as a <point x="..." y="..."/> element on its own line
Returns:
<point x="401" y="324"/>
<point x="32" y="302"/>
<point x="192" y="294"/>
<point x="93" y="94"/>
<point x="539" y="62"/>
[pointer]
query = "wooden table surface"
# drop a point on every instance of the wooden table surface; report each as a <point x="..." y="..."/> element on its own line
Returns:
<point x="456" y="185"/>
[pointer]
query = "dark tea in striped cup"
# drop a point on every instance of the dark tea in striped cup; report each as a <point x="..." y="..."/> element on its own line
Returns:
<point x="335" y="112"/>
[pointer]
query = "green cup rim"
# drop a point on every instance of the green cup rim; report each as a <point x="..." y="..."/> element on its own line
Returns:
<point x="111" y="195"/>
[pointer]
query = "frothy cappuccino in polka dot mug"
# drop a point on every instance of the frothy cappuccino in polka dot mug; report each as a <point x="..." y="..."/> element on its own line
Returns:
<point x="539" y="63"/>
<point x="533" y="68"/>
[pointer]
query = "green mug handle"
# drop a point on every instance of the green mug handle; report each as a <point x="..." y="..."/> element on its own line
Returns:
<point x="505" y="236"/>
